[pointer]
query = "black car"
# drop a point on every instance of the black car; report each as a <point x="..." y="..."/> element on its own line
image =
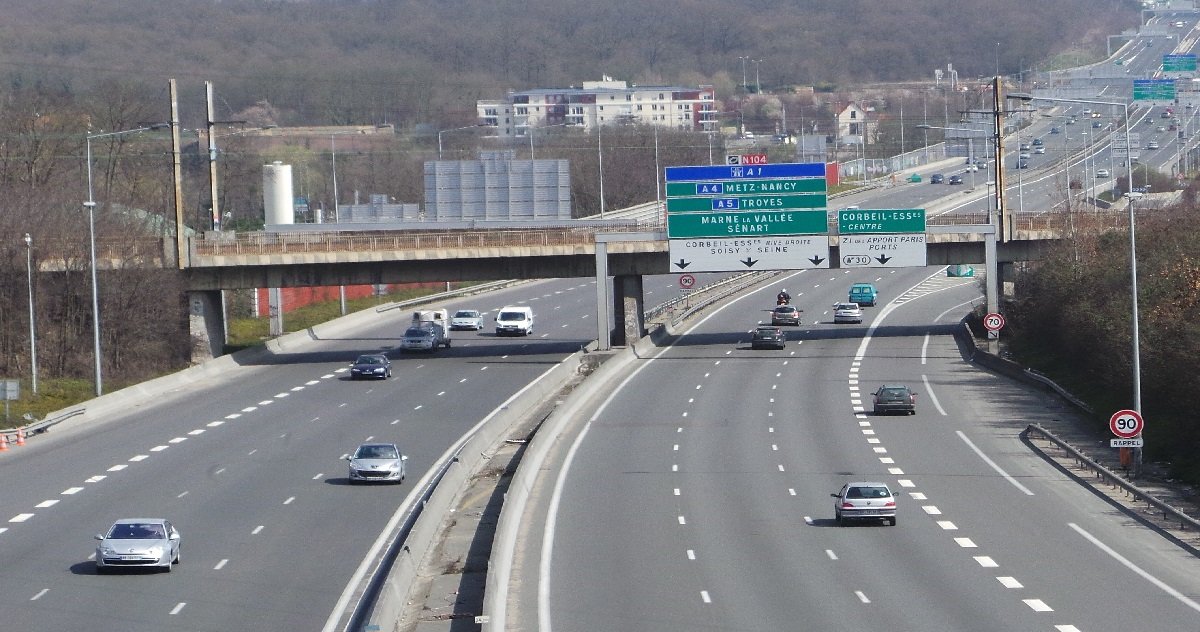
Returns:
<point x="768" y="338"/>
<point x="937" y="178"/>
<point x="375" y="365"/>
<point x="892" y="398"/>
<point x="955" y="180"/>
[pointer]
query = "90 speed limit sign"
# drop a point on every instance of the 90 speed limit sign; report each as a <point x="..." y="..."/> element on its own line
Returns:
<point x="1126" y="424"/>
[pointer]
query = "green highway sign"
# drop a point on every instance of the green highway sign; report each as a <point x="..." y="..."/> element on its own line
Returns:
<point x="742" y="223"/>
<point x="1153" y="89"/>
<point x="745" y="203"/>
<point x="890" y="220"/>
<point x="743" y="187"/>
<point x="1179" y="63"/>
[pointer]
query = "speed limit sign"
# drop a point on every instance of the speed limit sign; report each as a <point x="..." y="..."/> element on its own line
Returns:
<point x="993" y="322"/>
<point x="686" y="281"/>
<point x="1126" y="424"/>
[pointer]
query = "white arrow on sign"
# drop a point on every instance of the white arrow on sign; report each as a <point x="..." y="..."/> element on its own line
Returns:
<point x="899" y="250"/>
<point x="734" y="254"/>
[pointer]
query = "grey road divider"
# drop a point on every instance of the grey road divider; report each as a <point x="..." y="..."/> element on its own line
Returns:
<point x="383" y="584"/>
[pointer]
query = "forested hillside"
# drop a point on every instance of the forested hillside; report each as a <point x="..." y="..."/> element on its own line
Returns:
<point x="415" y="61"/>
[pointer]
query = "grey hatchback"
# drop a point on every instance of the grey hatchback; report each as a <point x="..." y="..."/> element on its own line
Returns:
<point x="381" y="462"/>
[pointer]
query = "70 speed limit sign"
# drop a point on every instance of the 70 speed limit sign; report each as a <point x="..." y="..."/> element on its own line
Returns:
<point x="1126" y="424"/>
<point x="993" y="322"/>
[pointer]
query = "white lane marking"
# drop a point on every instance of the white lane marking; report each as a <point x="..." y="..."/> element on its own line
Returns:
<point x="1009" y="582"/>
<point x="418" y="406"/>
<point x="159" y="448"/>
<point x="1025" y="490"/>
<point x="441" y="393"/>
<point x="904" y="482"/>
<point x="1066" y="628"/>
<point x="281" y="395"/>
<point x="219" y="470"/>
<point x="311" y="382"/>
<point x="178" y="607"/>
<point x="39" y="594"/>
<point x="781" y="468"/>
<point x="117" y="468"/>
<point x="932" y="396"/>
<point x="705" y="597"/>
<point x="266" y="402"/>
<point x="1184" y="599"/>
<point x="874" y="440"/>
<point x="214" y="424"/>
<point x="181" y="494"/>
<point x="139" y="458"/>
<point x="250" y="409"/>
<point x="21" y="517"/>
<point x="178" y="440"/>
<point x="791" y="491"/>
<point x="318" y="476"/>
<point x="289" y="500"/>
<point x="691" y="555"/>
<point x="895" y="471"/>
<point x="233" y="415"/>
<point x="3" y="529"/>
<point x="947" y="525"/>
<point x="868" y="431"/>
<point x="986" y="561"/>
<point x="831" y="554"/>
<point x="295" y="389"/>
<point x="966" y="543"/>
<point x="676" y="491"/>
<point x="71" y="490"/>
<point x="220" y="565"/>
<point x="95" y="479"/>
<point x="925" y="353"/>
<point x="862" y="596"/>
<point x="932" y="510"/>
<point x="46" y="504"/>
<point x="1038" y="605"/>
<point x="257" y="530"/>
<point x="197" y="432"/>
<point x="682" y="520"/>
<point x="880" y="450"/>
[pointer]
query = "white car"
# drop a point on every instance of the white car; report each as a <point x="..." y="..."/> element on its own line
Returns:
<point x="466" y="319"/>
<point x="864" y="500"/>
<point x="1040" y="149"/>
<point x="152" y="542"/>
<point x="847" y="313"/>
<point x="1102" y="173"/>
<point x="379" y="462"/>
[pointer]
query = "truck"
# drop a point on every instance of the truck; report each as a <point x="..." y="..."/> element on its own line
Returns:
<point x="436" y="319"/>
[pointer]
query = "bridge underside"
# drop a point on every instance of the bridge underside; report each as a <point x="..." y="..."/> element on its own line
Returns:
<point x="247" y="275"/>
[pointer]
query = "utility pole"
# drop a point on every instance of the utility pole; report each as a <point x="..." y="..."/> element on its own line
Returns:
<point x="212" y="157"/>
<point x="177" y="170"/>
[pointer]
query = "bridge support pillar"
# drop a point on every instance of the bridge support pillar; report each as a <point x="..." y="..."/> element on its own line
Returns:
<point x="629" y="320"/>
<point x="206" y="320"/>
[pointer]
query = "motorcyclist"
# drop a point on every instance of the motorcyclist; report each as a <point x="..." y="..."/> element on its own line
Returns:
<point x="783" y="298"/>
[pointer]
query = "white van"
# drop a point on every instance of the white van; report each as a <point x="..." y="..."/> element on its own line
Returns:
<point x="514" y="319"/>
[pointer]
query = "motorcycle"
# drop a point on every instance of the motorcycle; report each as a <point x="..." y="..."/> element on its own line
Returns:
<point x="782" y="301"/>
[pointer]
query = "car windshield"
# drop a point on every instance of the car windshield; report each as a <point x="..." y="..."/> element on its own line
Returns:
<point x="847" y="306"/>
<point x="466" y="313"/>
<point x="895" y="392"/>
<point x="136" y="531"/>
<point x="417" y="332"/>
<point x="512" y="315"/>
<point x="867" y="492"/>
<point x="376" y="452"/>
<point x="369" y="360"/>
<point x="785" y="310"/>
<point x="766" y="331"/>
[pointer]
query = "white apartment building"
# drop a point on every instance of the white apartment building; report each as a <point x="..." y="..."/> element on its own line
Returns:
<point x="606" y="102"/>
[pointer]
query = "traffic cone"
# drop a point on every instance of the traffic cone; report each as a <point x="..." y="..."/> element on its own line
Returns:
<point x="3" y="442"/>
<point x="20" y="436"/>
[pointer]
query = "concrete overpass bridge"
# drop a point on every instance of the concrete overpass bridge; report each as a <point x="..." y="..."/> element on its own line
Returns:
<point x="626" y="250"/>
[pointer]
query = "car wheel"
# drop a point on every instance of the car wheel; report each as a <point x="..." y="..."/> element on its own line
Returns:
<point x="877" y="412"/>
<point x="178" y="557"/>
<point x="892" y="521"/>
<point x="168" y="567"/>
<point x="840" y="520"/>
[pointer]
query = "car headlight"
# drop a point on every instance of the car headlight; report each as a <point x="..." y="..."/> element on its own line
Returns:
<point x="156" y="551"/>
<point x="107" y="551"/>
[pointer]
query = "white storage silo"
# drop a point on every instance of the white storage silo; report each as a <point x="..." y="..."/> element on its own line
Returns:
<point x="277" y="194"/>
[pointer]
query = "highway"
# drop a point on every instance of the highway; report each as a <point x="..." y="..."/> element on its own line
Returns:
<point x="696" y="495"/>
<point x="249" y="467"/>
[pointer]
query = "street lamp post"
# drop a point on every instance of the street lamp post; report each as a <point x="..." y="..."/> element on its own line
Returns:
<point x="1130" y="195"/>
<point x="744" y="86"/>
<point x="32" y="326"/>
<point x="90" y="205"/>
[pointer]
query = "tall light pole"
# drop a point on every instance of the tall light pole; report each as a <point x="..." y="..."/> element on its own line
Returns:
<point x="90" y="205"/>
<point x="32" y="326"/>
<point x="757" y="82"/>
<point x="745" y="87"/>
<point x="657" y="170"/>
<point x="1130" y="195"/>
<point x="600" y="156"/>
<point x="333" y="162"/>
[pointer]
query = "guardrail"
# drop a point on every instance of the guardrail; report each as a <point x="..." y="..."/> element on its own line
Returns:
<point x="1115" y="480"/>
<point x="43" y="425"/>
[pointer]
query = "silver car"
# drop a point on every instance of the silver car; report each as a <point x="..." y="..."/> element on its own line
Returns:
<point x="847" y="313"/>
<point x="466" y="319"/>
<point x="419" y="339"/>
<point x="864" y="500"/>
<point x="377" y="462"/>
<point x="152" y="542"/>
